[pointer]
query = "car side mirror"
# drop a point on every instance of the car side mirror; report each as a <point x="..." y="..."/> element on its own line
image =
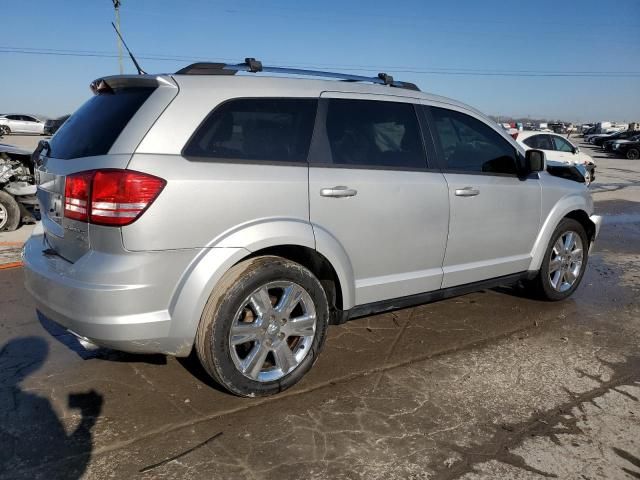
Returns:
<point x="534" y="161"/>
<point x="576" y="150"/>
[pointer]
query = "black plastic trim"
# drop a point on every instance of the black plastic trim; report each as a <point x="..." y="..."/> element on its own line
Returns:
<point x="428" y="297"/>
<point x="235" y="161"/>
<point x="372" y="167"/>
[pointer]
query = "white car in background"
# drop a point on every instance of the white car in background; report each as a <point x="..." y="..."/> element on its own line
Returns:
<point x="19" y="123"/>
<point x="558" y="149"/>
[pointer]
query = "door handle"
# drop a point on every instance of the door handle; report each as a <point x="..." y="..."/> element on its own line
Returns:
<point x="338" y="192"/>
<point x="467" y="192"/>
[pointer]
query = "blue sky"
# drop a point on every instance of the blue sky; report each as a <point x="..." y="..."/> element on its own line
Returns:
<point x="441" y="46"/>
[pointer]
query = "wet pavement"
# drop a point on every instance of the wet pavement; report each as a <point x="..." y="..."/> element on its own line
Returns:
<point x="488" y="385"/>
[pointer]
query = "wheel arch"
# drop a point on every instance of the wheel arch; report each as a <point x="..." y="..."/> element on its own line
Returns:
<point x="294" y="241"/>
<point x="315" y="262"/>
<point x="573" y="207"/>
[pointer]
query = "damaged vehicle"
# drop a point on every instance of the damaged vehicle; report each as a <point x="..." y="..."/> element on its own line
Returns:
<point x="18" y="202"/>
<point x="559" y="150"/>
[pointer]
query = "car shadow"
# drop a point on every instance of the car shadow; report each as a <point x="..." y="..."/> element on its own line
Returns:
<point x="34" y="440"/>
<point x="192" y="365"/>
<point x="72" y="342"/>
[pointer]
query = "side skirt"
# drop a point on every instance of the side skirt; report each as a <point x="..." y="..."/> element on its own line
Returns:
<point x="342" y="316"/>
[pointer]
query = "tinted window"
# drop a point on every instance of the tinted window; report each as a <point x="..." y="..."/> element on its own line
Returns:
<point x="562" y="145"/>
<point x="269" y="129"/>
<point x="374" y="133"/>
<point x="93" y="128"/>
<point x="470" y="145"/>
<point x="541" y="142"/>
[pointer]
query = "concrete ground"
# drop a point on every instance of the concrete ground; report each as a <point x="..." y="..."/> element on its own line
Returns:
<point x="484" y="386"/>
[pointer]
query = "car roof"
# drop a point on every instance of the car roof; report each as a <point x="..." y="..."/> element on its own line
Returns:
<point x="285" y="86"/>
<point x="530" y="133"/>
<point x="314" y="87"/>
<point x="39" y="117"/>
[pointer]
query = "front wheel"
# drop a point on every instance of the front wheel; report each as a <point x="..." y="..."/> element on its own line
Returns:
<point x="633" y="154"/>
<point x="564" y="262"/>
<point x="263" y="326"/>
<point x="4" y="130"/>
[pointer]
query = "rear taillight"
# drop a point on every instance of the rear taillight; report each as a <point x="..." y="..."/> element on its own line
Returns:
<point x="110" y="197"/>
<point x="76" y="196"/>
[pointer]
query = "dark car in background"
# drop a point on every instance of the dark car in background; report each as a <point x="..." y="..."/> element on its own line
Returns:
<point x="614" y="145"/>
<point x="599" y="141"/>
<point x="630" y="150"/>
<point x="52" y="125"/>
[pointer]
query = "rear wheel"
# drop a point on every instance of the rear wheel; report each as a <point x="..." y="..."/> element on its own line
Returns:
<point x="263" y="326"/>
<point x="633" y="154"/>
<point x="564" y="262"/>
<point x="9" y="212"/>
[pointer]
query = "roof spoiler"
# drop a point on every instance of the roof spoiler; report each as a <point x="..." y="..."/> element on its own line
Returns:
<point x="108" y="85"/>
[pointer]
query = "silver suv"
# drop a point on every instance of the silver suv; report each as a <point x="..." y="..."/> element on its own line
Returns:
<point x="240" y="215"/>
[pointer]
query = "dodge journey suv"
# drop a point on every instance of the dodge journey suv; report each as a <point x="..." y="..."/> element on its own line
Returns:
<point x="238" y="215"/>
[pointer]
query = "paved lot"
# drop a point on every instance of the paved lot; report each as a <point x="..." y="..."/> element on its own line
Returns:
<point x="489" y="385"/>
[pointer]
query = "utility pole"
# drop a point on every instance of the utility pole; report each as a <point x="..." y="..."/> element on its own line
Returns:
<point x="116" y="6"/>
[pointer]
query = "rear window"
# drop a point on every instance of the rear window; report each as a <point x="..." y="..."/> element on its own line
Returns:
<point x="251" y="129"/>
<point x="95" y="126"/>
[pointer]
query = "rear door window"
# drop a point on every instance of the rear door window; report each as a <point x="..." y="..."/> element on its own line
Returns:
<point x="542" y="142"/>
<point x="376" y="134"/>
<point x="256" y="129"/>
<point x="94" y="128"/>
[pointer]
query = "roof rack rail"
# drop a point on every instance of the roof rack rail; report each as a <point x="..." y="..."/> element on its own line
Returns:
<point x="252" y="65"/>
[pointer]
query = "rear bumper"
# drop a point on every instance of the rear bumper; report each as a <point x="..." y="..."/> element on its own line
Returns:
<point x="120" y="301"/>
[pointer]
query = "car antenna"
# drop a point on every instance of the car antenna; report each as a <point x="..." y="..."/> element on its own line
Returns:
<point x="133" y="59"/>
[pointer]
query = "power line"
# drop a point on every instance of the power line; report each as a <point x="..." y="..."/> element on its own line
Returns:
<point x="367" y="68"/>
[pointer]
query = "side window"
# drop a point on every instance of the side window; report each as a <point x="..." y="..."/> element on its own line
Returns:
<point x="541" y="142"/>
<point x="13" y="117"/>
<point x="470" y="145"/>
<point x="561" y="144"/>
<point x="26" y="118"/>
<point x="263" y="129"/>
<point x="374" y="133"/>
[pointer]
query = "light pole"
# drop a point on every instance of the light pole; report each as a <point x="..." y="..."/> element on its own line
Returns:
<point x="116" y="6"/>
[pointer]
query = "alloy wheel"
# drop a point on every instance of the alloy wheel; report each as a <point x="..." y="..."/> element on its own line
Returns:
<point x="565" y="261"/>
<point x="273" y="331"/>
<point x="4" y="216"/>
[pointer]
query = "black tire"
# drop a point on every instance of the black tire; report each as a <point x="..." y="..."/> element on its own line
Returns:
<point x="633" y="154"/>
<point x="10" y="211"/>
<point x="4" y="130"/>
<point x="541" y="286"/>
<point x="212" y="339"/>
